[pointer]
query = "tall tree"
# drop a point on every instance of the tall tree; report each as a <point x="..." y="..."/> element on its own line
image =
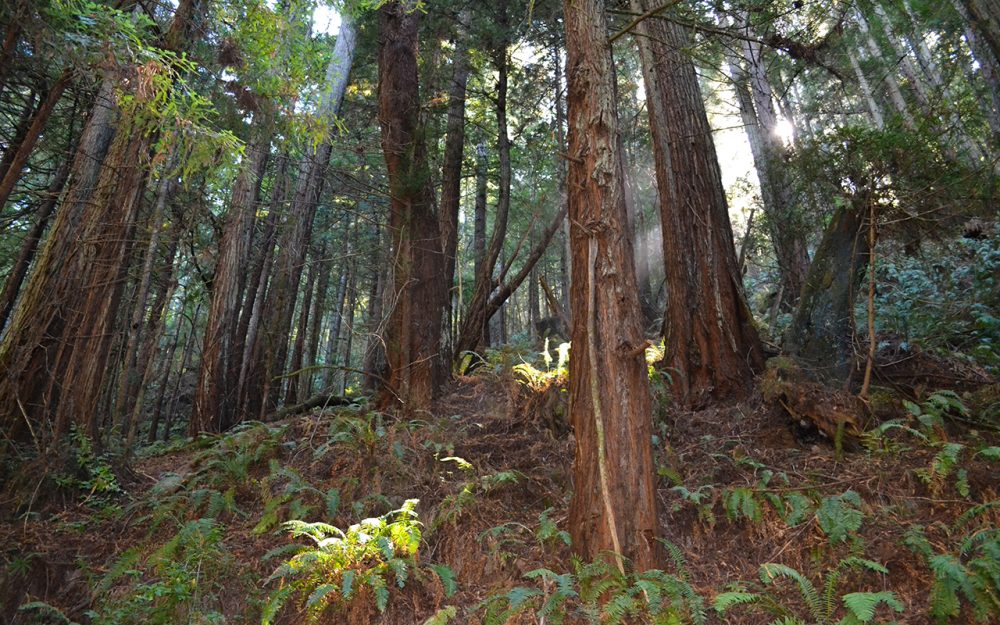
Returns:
<point x="55" y="352"/>
<point x="712" y="345"/>
<point x="271" y="348"/>
<point x="214" y="404"/>
<point x="782" y="208"/>
<point x="614" y="501"/>
<point x="414" y="337"/>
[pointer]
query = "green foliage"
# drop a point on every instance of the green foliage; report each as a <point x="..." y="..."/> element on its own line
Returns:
<point x="600" y="594"/>
<point x="92" y="473"/>
<point x="340" y="564"/>
<point x="929" y="431"/>
<point x="539" y="380"/>
<point x="286" y="494"/>
<point x="41" y="613"/>
<point x="359" y="433"/>
<point x="840" y="516"/>
<point x="972" y="571"/>
<point x="821" y="603"/>
<point x="175" y="584"/>
<point x="946" y="301"/>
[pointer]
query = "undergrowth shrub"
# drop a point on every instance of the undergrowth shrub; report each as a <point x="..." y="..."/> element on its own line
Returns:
<point x="339" y="565"/>
<point x="599" y="593"/>
<point x="946" y="299"/>
<point x="970" y="571"/>
<point x="178" y="583"/>
<point x="822" y="605"/>
<point x="220" y="472"/>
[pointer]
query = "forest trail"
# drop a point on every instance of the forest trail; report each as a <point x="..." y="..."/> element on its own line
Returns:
<point x="737" y="489"/>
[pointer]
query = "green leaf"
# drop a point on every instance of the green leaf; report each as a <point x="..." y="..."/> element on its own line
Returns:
<point x="317" y="595"/>
<point x="839" y="516"/>
<point x="990" y="453"/>
<point x="725" y="600"/>
<point x="863" y="604"/>
<point x="347" y="584"/>
<point x="447" y="577"/>
<point x="442" y="616"/>
<point x="520" y="595"/>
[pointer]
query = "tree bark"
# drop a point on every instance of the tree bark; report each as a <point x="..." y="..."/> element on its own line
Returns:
<point x="451" y="169"/>
<point x="280" y="304"/>
<point x="713" y="348"/>
<point x="215" y="398"/>
<point x="413" y="343"/>
<point x="783" y="215"/>
<point x="986" y="16"/>
<point x="613" y="507"/>
<point x="293" y="395"/>
<point x="55" y="353"/>
<point x="319" y="302"/>
<point x="821" y="333"/>
<point x="130" y="378"/>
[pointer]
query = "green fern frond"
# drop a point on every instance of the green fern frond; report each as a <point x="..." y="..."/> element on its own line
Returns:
<point x="725" y="600"/>
<point x="863" y="604"/>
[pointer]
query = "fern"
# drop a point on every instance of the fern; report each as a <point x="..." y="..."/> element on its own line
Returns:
<point x="340" y="563"/>
<point x="821" y="607"/>
<point x="840" y="516"/>
<point x="442" y="616"/>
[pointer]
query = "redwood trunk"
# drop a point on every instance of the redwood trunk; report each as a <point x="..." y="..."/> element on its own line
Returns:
<point x="215" y="398"/>
<point x="27" y="144"/>
<point x="614" y="500"/>
<point x="30" y="245"/>
<point x="451" y="170"/>
<point x="413" y="343"/>
<point x="713" y="348"/>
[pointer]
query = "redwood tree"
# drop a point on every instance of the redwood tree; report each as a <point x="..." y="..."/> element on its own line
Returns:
<point x="712" y="346"/>
<point x="614" y="499"/>
<point x="414" y="337"/>
<point x="54" y="356"/>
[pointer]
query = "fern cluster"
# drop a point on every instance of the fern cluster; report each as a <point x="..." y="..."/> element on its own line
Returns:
<point x="821" y="604"/>
<point x="175" y="584"/>
<point x="599" y="593"/>
<point x="339" y="564"/>
<point x="971" y="572"/>
<point x="219" y="472"/>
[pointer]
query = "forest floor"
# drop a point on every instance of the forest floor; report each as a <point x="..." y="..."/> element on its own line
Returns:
<point x="194" y="533"/>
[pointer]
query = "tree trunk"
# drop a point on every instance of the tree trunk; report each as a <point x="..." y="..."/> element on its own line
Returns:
<point x="215" y="398"/>
<point x="785" y="224"/>
<point x="874" y="110"/>
<point x="451" y="174"/>
<point x="989" y="67"/>
<point x="479" y="219"/>
<point x="281" y="296"/>
<point x="475" y="330"/>
<point x="27" y="144"/>
<point x="374" y="359"/>
<point x="319" y="302"/>
<point x="413" y="344"/>
<point x="352" y="301"/>
<point x="823" y="328"/>
<point x="985" y="15"/>
<point x="892" y="85"/>
<point x="130" y="378"/>
<point x="55" y="353"/>
<point x="20" y="131"/>
<point x="30" y="244"/>
<point x="292" y="395"/>
<point x="614" y="500"/>
<point x="712" y="345"/>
